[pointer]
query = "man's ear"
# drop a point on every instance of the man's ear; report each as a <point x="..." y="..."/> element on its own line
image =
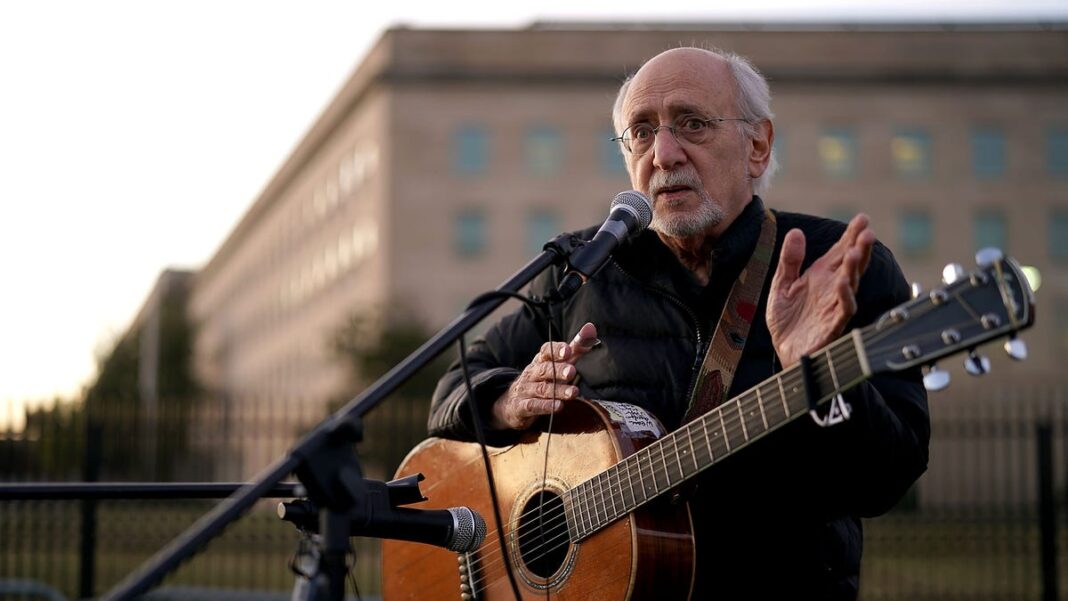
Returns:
<point x="760" y="150"/>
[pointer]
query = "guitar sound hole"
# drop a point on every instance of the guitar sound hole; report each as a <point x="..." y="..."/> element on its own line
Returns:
<point x="543" y="538"/>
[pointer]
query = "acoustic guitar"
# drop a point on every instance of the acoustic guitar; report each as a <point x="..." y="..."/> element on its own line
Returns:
<point x="584" y="508"/>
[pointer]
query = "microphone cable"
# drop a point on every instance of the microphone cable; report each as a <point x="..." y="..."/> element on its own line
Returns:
<point x="476" y="417"/>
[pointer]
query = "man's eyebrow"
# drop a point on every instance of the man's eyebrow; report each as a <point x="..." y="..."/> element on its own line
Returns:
<point x="674" y="110"/>
<point x="685" y="109"/>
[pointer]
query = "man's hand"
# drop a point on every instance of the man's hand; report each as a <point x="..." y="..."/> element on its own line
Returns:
<point x="544" y="384"/>
<point x="808" y="311"/>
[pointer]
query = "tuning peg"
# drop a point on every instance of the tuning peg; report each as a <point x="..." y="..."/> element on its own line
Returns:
<point x="976" y="365"/>
<point x="917" y="289"/>
<point x="935" y="379"/>
<point x="1016" y="348"/>
<point x="988" y="256"/>
<point x="952" y="272"/>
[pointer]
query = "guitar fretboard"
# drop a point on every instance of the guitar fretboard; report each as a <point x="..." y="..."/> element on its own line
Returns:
<point x="694" y="447"/>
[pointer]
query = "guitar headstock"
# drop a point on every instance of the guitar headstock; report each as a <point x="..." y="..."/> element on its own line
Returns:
<point x="990" y="302"/>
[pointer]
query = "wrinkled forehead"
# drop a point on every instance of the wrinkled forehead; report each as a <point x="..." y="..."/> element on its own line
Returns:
<point x="677" y="82"/>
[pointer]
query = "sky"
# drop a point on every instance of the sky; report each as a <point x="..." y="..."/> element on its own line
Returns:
<point x="134" y="135"/>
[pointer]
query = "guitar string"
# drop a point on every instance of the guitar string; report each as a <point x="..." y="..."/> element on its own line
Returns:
<point x="560" y="539"/>
<point x="837" y="348"/>
<point x="663" y="458"/>
<point x="594" y="510"/>
<point x="598" y="493"/>
<point x="736" y="424"/>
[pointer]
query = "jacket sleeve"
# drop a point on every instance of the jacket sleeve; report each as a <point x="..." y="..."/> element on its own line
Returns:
<point x="493" y="362"/>
<point x="870" y="461"/>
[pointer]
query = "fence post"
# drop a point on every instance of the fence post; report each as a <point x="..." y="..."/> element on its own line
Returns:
<point x="87" y="563"/>
<point x="1046" y="511"/>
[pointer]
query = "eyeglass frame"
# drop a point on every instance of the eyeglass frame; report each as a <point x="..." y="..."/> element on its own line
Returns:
<point x="624" y="141"/>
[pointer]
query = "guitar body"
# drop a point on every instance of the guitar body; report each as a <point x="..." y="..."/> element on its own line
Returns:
<point x="588" y="512"/>
<point x="647" y="554"/>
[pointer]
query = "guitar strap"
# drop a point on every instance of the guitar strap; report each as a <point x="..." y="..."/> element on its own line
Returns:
<point x="725" y="348"/>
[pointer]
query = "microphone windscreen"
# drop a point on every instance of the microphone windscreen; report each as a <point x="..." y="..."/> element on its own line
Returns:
<point x="640" y="204"/>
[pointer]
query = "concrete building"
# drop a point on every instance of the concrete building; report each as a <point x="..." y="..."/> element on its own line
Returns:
<point x="450" y="156"/>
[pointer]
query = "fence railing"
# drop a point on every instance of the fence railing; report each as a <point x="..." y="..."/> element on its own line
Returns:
<point x="988" y="521"/>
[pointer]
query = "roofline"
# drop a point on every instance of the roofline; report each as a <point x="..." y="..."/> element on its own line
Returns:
<point x="873" y="25"/>
<point x="377" y="67"/>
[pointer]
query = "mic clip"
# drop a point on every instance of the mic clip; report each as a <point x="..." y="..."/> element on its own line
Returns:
<point x="563" y="246"/>
<point x="304" y="513"/>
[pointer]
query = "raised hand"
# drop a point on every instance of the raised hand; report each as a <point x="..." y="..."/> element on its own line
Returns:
<point x="545" y="384"/>
<point x="808" y="311"/>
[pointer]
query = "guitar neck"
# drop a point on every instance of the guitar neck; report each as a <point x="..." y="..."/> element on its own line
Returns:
<point x="709" y="439"/>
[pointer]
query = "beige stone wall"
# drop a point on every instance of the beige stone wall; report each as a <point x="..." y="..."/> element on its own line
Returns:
<point x="362" y="213"/>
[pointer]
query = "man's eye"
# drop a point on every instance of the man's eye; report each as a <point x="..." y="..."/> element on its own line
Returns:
<point x="642" y="132"/>
<point x="692" y="124"/>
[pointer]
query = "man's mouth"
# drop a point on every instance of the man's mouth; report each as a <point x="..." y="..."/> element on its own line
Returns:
<point x="671" y="191"/>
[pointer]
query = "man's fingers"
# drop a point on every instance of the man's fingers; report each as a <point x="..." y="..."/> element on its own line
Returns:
<point x="547" y="390"/>
<point x="865" y="243"/>
<point x="790" y="258"/>
<point x="848" y="302"/>
<point x="561" y="372"/>
<point x="554" y="351"/>
<point x="585" y="340"/>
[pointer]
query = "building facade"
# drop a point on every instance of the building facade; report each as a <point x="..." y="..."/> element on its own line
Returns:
<point x="450" y="157"/>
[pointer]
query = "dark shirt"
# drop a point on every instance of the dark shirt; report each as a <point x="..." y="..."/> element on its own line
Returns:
<point x="780" y="519"/>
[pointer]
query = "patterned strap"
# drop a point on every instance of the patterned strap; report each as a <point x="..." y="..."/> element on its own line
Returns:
<point x="725" y="349"/>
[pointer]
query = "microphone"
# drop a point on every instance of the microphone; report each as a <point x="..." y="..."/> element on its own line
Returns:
<point x="630" y="213"/>
<point x="457" y="529"/>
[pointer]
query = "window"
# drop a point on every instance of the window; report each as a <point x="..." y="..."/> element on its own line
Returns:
<point x="1060" y="327"/>
<point x="1057" y="152"/>
<point x="915" y="233"/>
<point x="611" y="153"/>
<point x="469" y="233"/>
<point x="1058" y="235"/>
<point x="470" y="150"/>
<point x="988" y="153"/>
<point x="544" y="150"/>
<point x="990" y="230"/>
<point x="542" y="226"/>
<point x="911" y="152"/>
<point x="837" y="148"/>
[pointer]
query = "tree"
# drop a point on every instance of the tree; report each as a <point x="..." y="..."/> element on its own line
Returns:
<point x="371" y="343"/>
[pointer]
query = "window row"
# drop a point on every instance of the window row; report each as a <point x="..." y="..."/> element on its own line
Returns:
<point x="910" y="151"/>
<point x="912" y="154"/>
<point x="916" y="232"/>
<point x="470" y="237"/>
<point x="989" y="229"/>
<point x="543" y="150"/>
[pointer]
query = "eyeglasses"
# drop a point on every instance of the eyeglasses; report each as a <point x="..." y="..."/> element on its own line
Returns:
<point x="638" y="138"/>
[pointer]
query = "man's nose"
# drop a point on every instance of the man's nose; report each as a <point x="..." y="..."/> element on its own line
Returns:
<point x="667" y="151"/>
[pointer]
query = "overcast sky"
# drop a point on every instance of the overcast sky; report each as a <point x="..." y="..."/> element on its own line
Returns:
<point x="133" y="135"/>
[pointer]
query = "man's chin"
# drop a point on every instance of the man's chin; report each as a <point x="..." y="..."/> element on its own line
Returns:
<point x="681" y="224"/>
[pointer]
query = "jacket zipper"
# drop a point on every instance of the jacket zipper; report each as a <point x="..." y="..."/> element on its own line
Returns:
<point x="695" y="368"/>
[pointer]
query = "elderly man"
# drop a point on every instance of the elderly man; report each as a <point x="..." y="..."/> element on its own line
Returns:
<point x="780" y="519"/>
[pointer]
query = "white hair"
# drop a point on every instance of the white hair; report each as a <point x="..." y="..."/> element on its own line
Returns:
<point x="753" y="99"/>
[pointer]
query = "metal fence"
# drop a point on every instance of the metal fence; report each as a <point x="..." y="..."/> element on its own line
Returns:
<point x="986" y="522"/>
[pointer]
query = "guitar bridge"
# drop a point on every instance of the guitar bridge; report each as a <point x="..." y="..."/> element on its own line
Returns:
<point x="469" y="573"/>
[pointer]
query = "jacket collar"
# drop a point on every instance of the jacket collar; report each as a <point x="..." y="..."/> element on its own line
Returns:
<point x="648" y="259"/>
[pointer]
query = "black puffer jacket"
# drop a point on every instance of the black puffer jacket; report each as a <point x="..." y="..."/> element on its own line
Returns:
<point x="781" y="519"/>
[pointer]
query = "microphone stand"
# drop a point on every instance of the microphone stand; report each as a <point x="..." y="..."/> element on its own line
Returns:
<point x="326" y="464"/>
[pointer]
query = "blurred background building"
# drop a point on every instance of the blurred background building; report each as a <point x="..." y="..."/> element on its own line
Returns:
<point x="445" y="163"/>
<point x="451" y="156"/>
